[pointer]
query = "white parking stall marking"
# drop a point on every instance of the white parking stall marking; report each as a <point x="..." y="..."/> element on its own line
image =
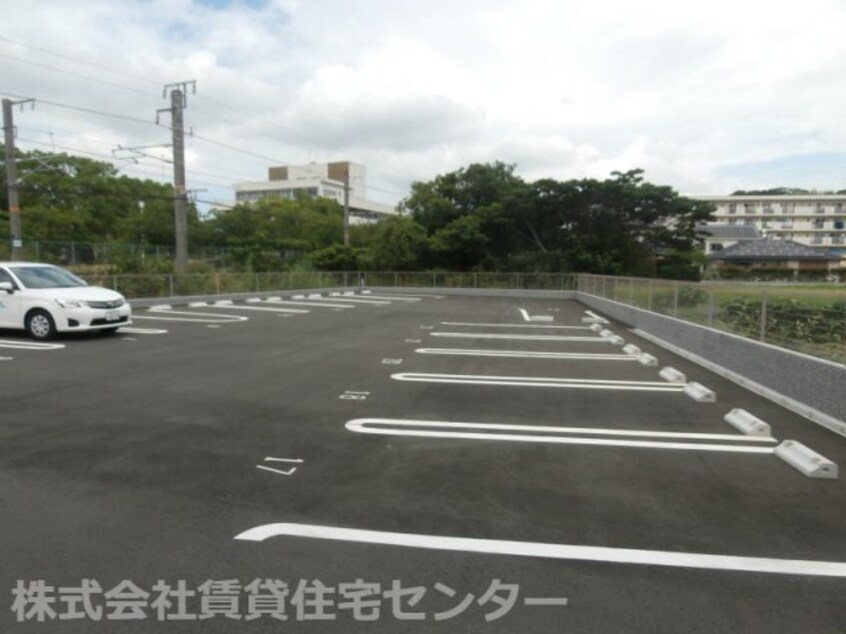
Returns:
<point x="604" y="554"/>
<point x="375" y="302"/>
<point x="526" y="354"/>
<point x="525" y="313"/>
<point x="484" y="325"/>
<point x="379" y="425"/>
<point x="593" y="317"/>
<point x="186" y="316"/>
<point x="293" y="311"/>
<point x="396" y="298"/>
<point x="309" y="304"/>
<point x="528" y="381"/>
<point x="29" y="345"/>
<point x="129" y="330"/>
<point x="488" y="335"/>
<point x="492" y="432"/>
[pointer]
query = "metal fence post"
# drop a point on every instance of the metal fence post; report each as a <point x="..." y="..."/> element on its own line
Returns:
<point x="676" y="302"/>
<point x="258" y="287"/>
<point x="114" y="282"/>
<point x="170" y="280"/>
<point x="396" y="280"/>
<point x="649" y="296"/>
<point x="631" y="291"/>
<point x="762" y="334"/>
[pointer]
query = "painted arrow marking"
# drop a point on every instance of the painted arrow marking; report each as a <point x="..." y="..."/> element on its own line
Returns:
<point x="280" y="471"/>
<point x="570" y="552"/>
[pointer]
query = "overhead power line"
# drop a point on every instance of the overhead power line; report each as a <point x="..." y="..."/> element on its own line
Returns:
<point x="70" y="73"/>
<point x="121" y="72"/>
<point x="101" y="113"/>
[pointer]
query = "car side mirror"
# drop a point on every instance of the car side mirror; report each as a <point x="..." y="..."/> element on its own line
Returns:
<point x="7" y="286"/>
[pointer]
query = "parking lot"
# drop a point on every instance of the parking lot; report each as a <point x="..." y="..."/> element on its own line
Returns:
<point x="405" y="463"/>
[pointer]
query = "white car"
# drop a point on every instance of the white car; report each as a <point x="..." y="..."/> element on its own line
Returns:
<point x="44" y="299"/>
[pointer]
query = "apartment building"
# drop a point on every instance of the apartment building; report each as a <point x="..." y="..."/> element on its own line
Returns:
<point x="325" y="180"/>
<point x="813" y="220"/>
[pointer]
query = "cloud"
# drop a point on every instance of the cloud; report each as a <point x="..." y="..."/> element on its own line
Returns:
<point x="567" y="90"/>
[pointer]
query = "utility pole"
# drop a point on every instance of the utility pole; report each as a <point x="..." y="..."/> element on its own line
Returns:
<point x="12" y="179"/>
<point x="178" y="102"/>
<point x="347" y="208"/>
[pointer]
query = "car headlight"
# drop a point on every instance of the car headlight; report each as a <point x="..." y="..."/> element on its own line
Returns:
<point x="72" y="303"/>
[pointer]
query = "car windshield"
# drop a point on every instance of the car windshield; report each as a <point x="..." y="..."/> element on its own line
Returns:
<point x="46" y="277"/>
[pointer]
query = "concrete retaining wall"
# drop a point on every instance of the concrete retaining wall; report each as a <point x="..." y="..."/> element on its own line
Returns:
<point x="810" y="386"/>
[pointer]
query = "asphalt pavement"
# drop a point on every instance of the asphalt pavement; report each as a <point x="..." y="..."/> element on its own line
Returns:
<point x="391" y="463"/>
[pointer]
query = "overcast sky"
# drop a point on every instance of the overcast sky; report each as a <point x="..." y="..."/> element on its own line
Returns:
<point x="706" y="97"/>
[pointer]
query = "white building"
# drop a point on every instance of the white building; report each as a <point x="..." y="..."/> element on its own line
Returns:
<point x="326" y="180"/>
<point x="813" y="220"/>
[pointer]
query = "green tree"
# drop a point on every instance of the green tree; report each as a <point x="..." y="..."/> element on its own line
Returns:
<point x="64" y="198"/>
<point x="397" y="243"/>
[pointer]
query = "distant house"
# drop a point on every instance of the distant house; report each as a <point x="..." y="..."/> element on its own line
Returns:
<point x="766" y="253"/>
<point x="718" y="237"/>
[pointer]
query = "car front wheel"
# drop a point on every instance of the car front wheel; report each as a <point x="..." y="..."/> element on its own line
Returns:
<point x="39" y="325"/>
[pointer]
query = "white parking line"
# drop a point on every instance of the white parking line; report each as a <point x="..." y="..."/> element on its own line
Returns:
<point x="365" y="426"/>
<point x="348" y="300"/>
<point x="29" y="345"/>
<point x="603" y="554"/>
<point x="264" y="308"/>
<point x="488" y="335"/>
<point x="203" y="318"/>
<point x="526" y="354"/>
<point x="309" y="304"/>
<point x="473" y="323"/>
<point x="525" y="313"/>
<point x="528" y="381"/>
<point x="397" y="298"/>
<point x="128" y="330"/>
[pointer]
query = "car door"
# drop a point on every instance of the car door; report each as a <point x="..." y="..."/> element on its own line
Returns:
<point x="10" y="304"/>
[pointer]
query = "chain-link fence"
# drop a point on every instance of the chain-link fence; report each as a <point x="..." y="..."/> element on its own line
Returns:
<point x="217" y="282"/>
<point x="811" y="320"/>
<point x="73" y="253"/>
